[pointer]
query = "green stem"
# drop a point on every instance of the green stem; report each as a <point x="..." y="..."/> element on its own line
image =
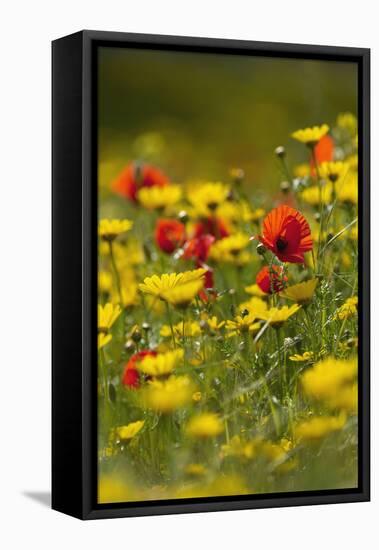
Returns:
<point x="115" y="271"/>
<point x="321" y="205"/>
<point x="282" y="367"/>
<point x="170" y="323"/>
<point x="272" y="408"/>
<point x="107" y="416"/>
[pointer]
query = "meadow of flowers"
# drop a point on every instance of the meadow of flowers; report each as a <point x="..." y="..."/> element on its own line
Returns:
<point x="227" y="328"/>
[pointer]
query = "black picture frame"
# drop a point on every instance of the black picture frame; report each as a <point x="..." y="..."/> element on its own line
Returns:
<point x="74" y="301"/>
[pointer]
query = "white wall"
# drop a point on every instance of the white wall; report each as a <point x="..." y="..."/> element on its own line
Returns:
<point x="27" y="27"/>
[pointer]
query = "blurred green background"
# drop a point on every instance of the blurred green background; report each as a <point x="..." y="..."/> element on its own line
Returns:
<point x="198" y="115"/>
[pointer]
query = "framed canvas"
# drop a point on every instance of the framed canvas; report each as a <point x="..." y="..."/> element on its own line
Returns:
<point x="210" y="275"/>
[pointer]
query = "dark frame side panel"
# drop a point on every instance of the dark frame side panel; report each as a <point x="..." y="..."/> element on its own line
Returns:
<point x="74" y="407"/>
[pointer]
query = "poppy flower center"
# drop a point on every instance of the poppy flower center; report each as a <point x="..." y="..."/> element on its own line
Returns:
<point x="281" y="244"/>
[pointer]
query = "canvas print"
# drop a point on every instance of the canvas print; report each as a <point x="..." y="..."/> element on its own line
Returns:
<point x="227" y="275"/>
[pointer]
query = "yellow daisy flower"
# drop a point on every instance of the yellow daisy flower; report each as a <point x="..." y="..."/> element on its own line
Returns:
<point x="157" y="285"/>
<point x="110" y="229"/>
<point x="104" y="281"/>
<point x="302" y="293"/>
<point x="238" y="212"/>
<point x="276" y="316"/>
<point x="229" y="249"/>
<point x="333" y="171"/>
<point x="130" y="430"/>
<point x="112" y="489"/>
<point x="126" y="254"/>
<point x="348" y="309"/>
<point x="254" y="290"/>
<point x="311" y="195"/>
<point x="311" y="136"/>
<point x="319" y="427"/>
<point x="129" y="289"/>
<point x="255" y="306"/>
<point x="183" y="294"/>
<point x="168" y="395"/>
<point x="195" y="470"/>
<point x="347" y="189"/>
<point x="352" y="162"/>
<point x="204" y="425"/>
<point x="106" y="316"/>
<point x="345" y="399"/>
<point x="207" y="197"/>
<point x="239" y="448"/>
<point x="348" y="122"/>
<point x="130" y="253"/>
<point x="327" y="377"/>
<point x="213" y="323"/>
<point x="188" y="329"/>
<point x="243" y="324"/>
<point x="226" y="484"/>
<point x="306" y="356"/>
<point x="103" y="339"/>
<point x="352" y="233"/>
<point x="161" y="364"/>
<point x="156" y="198"/>
<point x="302" y="170"/>
<point x="197" y="396"/>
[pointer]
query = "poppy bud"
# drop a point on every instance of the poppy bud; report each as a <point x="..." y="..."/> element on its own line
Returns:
<point x="203" y="324"/>
<point x="183" y="216"/>
<point x="285" y="187"/>
<point x="237" y="175"/>
<point x="280" y="152"/>
<point x="261" y="249"/>
<point x="129" y="345"/>
<point x="136" y="335"/>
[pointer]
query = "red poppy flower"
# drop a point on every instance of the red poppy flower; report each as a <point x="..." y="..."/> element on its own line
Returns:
<point x="271" y="279"/>
<point x="287" y="234"/>
<point x="323" y="151"/>
<point x="208" y="283"/>
<point x="208" y="277"/>
<point x="198" y="247"/>
<point x="212" y="226"/>
<point x="131" y="376"/>
<point x="169" y="235"/>
<point x="134" y="176"/>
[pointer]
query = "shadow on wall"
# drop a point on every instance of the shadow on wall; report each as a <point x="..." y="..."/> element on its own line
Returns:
<point x="41" y="497"/>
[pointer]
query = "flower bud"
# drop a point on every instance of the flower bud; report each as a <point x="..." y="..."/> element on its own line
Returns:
<point x="237" y="175"/>
<point x="183" y="216"/>
<point x="261" y="249"/>
<point x="129" y="345"/>
<point x="204" y="325"/>
<point x="285" y="187"/>
<point x="136" y="335"/>
<point x="280" y="152"/>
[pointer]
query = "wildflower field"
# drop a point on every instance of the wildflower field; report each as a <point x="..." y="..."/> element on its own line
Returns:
<point x="227" y="325"/>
